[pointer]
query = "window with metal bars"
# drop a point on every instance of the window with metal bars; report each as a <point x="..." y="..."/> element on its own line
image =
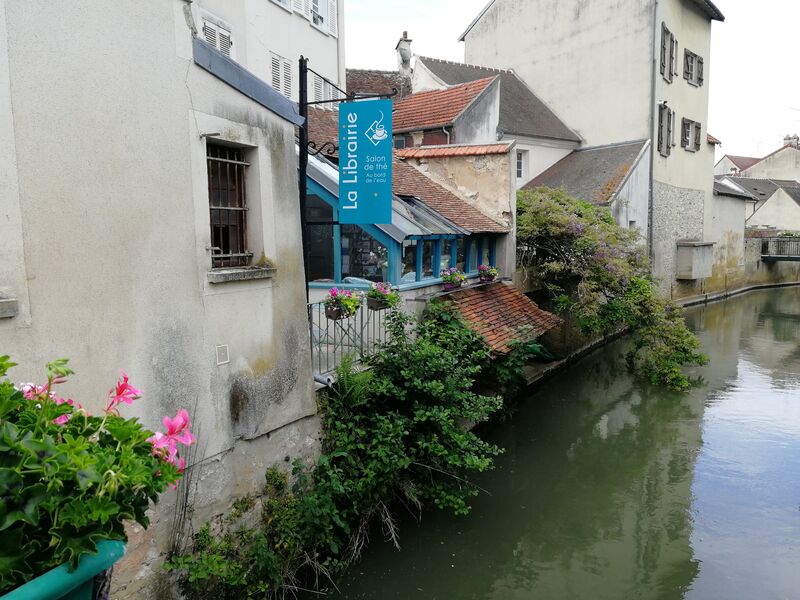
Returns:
<point x="228" y="205"/>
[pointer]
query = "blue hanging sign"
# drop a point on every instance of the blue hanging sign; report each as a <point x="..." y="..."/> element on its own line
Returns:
<point x="365" y="162"/>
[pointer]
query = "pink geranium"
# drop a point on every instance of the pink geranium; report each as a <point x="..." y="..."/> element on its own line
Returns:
<point x="122" y="392"/>
<point x="165" y="445"/>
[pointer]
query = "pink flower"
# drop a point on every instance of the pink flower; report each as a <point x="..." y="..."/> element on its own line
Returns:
<point x="62" y="420"/>
<point x="122" y="392"/>
<point x="178" y="428"/>
<point x="165" y="445"/>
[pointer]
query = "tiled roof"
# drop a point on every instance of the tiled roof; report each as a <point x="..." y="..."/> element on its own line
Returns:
<point x="370" y="81"/>
<point x="592" y="174"/>
<point x="743" y="162"/>
<point x="723" y="187"/>
<point x="437" y="108"/>
<point x="764" y="189"/>
<point x="323" y="126"/>
<point x="712" y="140"/>
<point x="771" y="154"/>
<point x="521" y="111"/>
<point x="500" y="313"/>
<point x="408" y="181"/>
<point x="453" y="150"/>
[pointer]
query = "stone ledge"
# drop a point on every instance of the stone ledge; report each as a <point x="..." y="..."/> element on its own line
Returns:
<point x="240" y="274"/>
<point x="8" y="308"/>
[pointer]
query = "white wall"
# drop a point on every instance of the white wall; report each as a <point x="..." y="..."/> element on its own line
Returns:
<point x="589" y="61"/>
<point x="782" y="165"/>
<point x="630" y="205"/>
<point x="780" y="211"/>
<point x="113" y="202"/>
<point x="541" y="154"/>
<point x="478" y="123"/>
<point x="725" y="167"/>
<point x="263" y="26"/>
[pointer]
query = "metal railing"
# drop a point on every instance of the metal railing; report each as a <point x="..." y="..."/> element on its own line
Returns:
<point x="781" y="247"/>
<point x="333" y="339"/>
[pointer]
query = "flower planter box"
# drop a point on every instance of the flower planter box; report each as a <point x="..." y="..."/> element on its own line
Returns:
<point x="337" y="313"/>
<point x="60" y="584"/>
<point x="449" y="287"/>
<point x="377" y="303"/>
<point x="487" y="278"/>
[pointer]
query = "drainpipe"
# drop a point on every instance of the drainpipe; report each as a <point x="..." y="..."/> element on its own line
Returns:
<point x="650" y="237"/>
<point x="447" y="133"/>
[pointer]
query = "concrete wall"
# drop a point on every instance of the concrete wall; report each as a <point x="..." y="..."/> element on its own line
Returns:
<point x="784" y="164"/>
<point x="541" y="155"/>
<point x="478" y="123"/>
<point x="487" y="183"/>
<point x="630" y="205"/>
<point x="261" y="27"/>
<point x="727" y="232"/>
<point x="726" y="167"/>
<point x="780" y="211"/>
<point x="113" y="203"/>
<point x="581" y="57"/>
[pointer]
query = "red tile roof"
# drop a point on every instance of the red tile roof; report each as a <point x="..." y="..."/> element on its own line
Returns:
<point x="408" y="181"/>
<point x="437" y="108"/>
<point x="323" y="126"/>
<point x="453" y="150"/>
<point x="371" y="81"/>
<point x="712" y="140"/>
<point x="500" y="313"/>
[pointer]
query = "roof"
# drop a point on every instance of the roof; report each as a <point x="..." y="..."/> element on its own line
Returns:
<point x="323" y="126"/>
<point x="771" y="154"/>
<point x="501" y="313"/>
<point x="712" y="140"/>
<point x="454" y="150"/>
<point x="711" y="11"/>
<point x="236" y="76"/>
<point x="592" y="174"/>
<point x="723" y="187"/>
<point x="743" y="162"/>
<point x="521" y="111"/>
<point x="437" y="108"/>
<point x="408" y="181"/>
<point x="763" y="189"/>
<point x="371" y="81"/>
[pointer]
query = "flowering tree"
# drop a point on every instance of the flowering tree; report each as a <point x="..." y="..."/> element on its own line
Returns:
<point x="599" y="272"/>
<point x="69" y="479"/>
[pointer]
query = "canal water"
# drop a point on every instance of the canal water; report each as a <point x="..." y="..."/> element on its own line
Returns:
<point x="610" y="489"/>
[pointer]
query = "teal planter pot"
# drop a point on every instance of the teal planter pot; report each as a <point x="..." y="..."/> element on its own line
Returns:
<point x="60" y="584"/>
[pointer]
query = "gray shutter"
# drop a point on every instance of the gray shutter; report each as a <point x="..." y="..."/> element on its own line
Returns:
<point x="225" y="42"/>
<point x="700" y="75"/>
<point x="664" y="34"/>
<point x="670" y="130"/>
<point x="333" y="21"/>
<point x="698" y="131"/>
<point x="687" y="65"/>
<point x="210" y="33"/>
<point x="686" y="131"/>
<point x="661" y="141"/>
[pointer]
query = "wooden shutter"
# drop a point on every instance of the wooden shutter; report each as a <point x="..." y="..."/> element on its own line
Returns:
<point x="661" y="141"/>
<point x="318" y="89"/>
<point x="276" y="66"/>
<point x="333" y="21"/>
<point x="700" y="75"/>
<point x="673" y="64"/>
<point x="287" y="78"/>
<point x="686" y="132"/>
<point x="664" y="34"/>
<point x="698" y="130"/>
<point x="671" y="138"/>
<point x="687" y="65"/>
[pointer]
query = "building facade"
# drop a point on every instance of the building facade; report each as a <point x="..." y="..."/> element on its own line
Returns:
<point x="620" y="70"/>
<point x="156" y="232"/>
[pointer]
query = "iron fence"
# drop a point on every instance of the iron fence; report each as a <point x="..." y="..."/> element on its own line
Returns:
<point x="780" y="246"/>
<point x="334" y="338"/>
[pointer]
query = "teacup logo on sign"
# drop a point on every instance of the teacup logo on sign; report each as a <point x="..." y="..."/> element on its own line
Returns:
<point x="365" y="170"/>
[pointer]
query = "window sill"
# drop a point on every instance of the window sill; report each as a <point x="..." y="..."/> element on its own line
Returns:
<point x="9" y="308"/>
<point x="283" y="6"/>
<point x="240" y="274"/>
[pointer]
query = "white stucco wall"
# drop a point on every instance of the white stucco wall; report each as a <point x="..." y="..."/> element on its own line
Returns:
<point x="422" y="80"/>
<point x="478" y="123"/>
<point x="725" y="167"/>
<point x="113" y="203"/>
<point x="589" y="61"/>
<point x="265" y="26"/>
<point x="782" y="165"/>
<point x="541" y="155"/>
<point x="630" y="205"/>
<point x="780" y="211"/>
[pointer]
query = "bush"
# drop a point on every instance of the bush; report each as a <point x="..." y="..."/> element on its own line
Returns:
<point x="70" y="480"/>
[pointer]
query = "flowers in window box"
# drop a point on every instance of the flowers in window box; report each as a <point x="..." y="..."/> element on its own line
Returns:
<point x="341" y="304"/>
<point x="381" y="296"/>
<point x="71" y="479"/>
<point x="487" y="273"/>
<point x="452" y="278"/>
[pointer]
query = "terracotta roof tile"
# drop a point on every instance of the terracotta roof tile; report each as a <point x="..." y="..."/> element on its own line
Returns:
<point x="500" y="313"/>
<point x="743" y="162"/>
<point x="453" y="150"/>
<point x="437" y="108"/>
<point x="408" y="181"/>
<point x="371" y="81"/>
<point x="712" y="140"/>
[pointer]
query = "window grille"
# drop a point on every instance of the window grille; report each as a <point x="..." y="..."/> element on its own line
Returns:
<point x="228" y="206"/>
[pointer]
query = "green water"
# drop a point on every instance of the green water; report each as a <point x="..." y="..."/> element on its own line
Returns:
<point x="613" y="490"/>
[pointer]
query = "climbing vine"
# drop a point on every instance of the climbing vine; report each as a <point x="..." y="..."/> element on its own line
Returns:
<point x="598" y="272"/>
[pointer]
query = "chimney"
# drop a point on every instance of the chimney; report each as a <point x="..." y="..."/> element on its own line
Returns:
<point x="792" y="140"/>
<point x="404" y="55"/>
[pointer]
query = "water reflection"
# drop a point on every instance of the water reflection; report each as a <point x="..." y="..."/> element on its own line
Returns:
<point x="610" y="489"/>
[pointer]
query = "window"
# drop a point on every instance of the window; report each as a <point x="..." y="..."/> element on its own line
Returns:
<point x="473" y="256"/>
<point x="447" y="254"/>
<point x="521" y="163"/>
<point x="228" y="206"/>
<point x="460" y="254"/>
<point x="303" y="7"/>
<point x="284" y="3"/>
<point x="693" y="68"/>
<point x="666" y="133"/>
<point x="409" y="260"/>
<point x="281" y="74"/>
<point x="320" y="239"/>
<point x="691" y="134"/>
<point x="319" y="12"/>
<point x="669" y="53"/>
<point x="324" y="14"/>
<point x="400" y="142"/>
<point x="216" y="34"/>
<point x="428" y="253"/>
<point x="362" y="255"/>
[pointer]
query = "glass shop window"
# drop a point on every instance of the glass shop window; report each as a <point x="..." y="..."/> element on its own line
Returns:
<point x="362" y="255"/>
<point x="409" y="261"/>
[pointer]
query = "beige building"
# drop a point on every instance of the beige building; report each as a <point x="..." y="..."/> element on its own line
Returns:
<point x="784" y="163"/>
<point x="150" y="222"/>
<point x="621" y="70"/>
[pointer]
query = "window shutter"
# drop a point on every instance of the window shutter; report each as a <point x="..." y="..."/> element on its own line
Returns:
<point x="673" y="64"/>
<point x="302" y="7"/>
<point x="700" y="75"/>
<point x="671" y="138"/>
<point x="210" y="33"/>
<point x="225" y="42"/>
<point x="687" y="65"/>
<point x="333" y="23"/>
<point x="318" y="89"/>
<point x="686" y="132"/>
<point x="287" y="78"/>
<point x="664" y="34"/>
<point x="698" y="129"/>
<point x="276" y="72"/>
<point x="661" y="141"/>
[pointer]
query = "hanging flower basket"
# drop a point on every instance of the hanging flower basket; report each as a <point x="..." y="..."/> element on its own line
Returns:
<point x="377" y="303"/>
<point x="487" y="274"/>
<point x="336" y="313"/>
<point x="381" y="296"/>
<point x="341" y="304"/>
<point x="452" y="279"/>
<point x="449" y="286"/>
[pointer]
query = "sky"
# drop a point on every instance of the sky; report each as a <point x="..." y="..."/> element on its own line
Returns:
<point x="752" y="73"/>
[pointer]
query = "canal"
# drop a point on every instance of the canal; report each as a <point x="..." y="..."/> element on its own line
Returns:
<point x="610" y="489"/>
